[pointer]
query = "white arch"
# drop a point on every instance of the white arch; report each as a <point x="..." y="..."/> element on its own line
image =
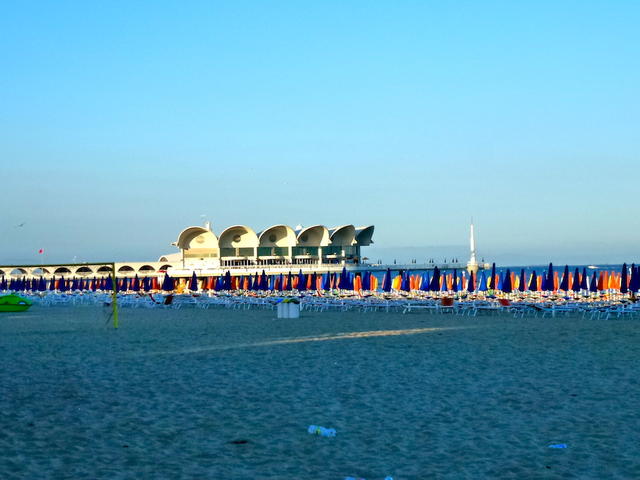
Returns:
<point x="277" y="236"/>
<point x="238" y="236"/>
<point x="343" y="236"/>
<point x="314" y="236"/>
<point x="204" y="238"/>
<point x="364" y="235"/>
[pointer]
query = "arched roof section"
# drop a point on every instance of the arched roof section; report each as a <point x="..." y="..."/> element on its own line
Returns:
<point x="315" y="236"/>
<point x="61" y="270"/>
<point x="277" y="236"/>
<point x="343" y="236"/>
<point x="238" y="236"/>
<point x="84" y="270"/>
<point x="196" y="237"/>
<point x="364" y="235"/>
<point x="146" y="268"/>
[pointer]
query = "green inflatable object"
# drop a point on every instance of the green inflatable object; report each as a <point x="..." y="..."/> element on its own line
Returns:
<point x="14" y="303"/>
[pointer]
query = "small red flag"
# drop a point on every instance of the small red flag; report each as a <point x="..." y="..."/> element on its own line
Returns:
<point x="41" y="250"/>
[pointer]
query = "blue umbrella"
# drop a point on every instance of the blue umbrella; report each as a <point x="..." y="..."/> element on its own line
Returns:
<point x="62" y="285"/>
<point x="405" y="284"/>
<point x="289" y="281"/>
<point x="492" y="280"/>
<point x="125" y="284"/>
<point x="624" y="279"/>
<point x="444" y="287"/>
<point x="454" y="285"/>
<point x="483" y="282"/>
<point x="135" y="283"/>
<point x="272" y="282"/>
<point x="146" y="284"/>
<point x="564" y="283"/>
<point x="193" y="284"/>
<point x="42" y="285"/>
<point x="167" y="283"/>
<point x="366" y="281"/>
<point x="424" y="285"/>
<point x="326" y="282"/>
<point x="302" y="281"/>
<point x="435" y="280"/>
<point x="264" y="281"/>
<point x="533" y="283"/>
<point x="523" y="281"/>
<point x="227" y="281"/>
<point x="549" y="284"/>
<point x="500" y="282"/>
<point x="584" y="284"/>
<point x="386" y="281"/>
<point x="506" y="283"/>
<point x="471" y="284"/>
<point x="576" y="281"/>
<point x="594" y="283"/>
<point x="633" y="283"/>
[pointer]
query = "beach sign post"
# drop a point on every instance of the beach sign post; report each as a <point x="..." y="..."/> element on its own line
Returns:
<point x="114" y="297"/>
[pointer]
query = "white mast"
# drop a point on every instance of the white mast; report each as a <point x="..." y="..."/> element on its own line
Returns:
<point x="472" y="265"/>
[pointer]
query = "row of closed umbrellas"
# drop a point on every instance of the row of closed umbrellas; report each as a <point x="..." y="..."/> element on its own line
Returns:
<point x="507" y="281"/>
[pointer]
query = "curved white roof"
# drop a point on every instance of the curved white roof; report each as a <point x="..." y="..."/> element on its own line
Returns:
<point x="314" y="236"/>
<point x="284" y="236"/>
<point x="189" y="233"/>
<point x="344" y="235"/>
<point x="364" y="235"/>
<point x="247" y="237"/>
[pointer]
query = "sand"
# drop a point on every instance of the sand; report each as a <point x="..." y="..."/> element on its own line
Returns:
<point x="167" y="394"/>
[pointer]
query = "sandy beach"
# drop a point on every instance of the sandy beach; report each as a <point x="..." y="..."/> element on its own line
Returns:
<point x="220" y="393"/>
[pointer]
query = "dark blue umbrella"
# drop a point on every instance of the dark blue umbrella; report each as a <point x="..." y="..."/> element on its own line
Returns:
<point x="435" y="280"/>
<point x="193" y="284"/>
<point x="326" y="282"/>
<point x="386" y="281"/>
<point x="500" y="282"/>
<point x="471" y="284"/>
<point x="62" y="285"/>
<point x="426" y="280"/>
<point x="264" y="281"/>
<point x="167" y="283"/>
<point x="549" y="284"/>
<point x="227" y="280"/>
<point x="42" y="285"/>
<point x="125" y="284"/>
<point x="576" y="281"/>
<point x="492" y="280"/>
<point x="272" y="282"/>
<point x="135" y="283"/>
<point x="594" y="283"/>
<point x="523" y="281"/>
<point x="635" y="280"/>
<point x="584" y="283"/>
<point x="302" y="281"/>
<point x="624" y="279"/>
<point x="405" y="285"/>
<point x="454" y="284"/>
<point x="366" y="281"/>
<point x="506" y="283"/>
<point x="146" y="284"/>
<point x="564" y="283"/>
<point x="533" y="283"/>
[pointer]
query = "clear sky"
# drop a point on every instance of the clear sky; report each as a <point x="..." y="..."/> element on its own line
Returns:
<point x="123" y="122"/>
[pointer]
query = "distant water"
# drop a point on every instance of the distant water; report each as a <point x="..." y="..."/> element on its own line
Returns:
<point x="217" y="394"/>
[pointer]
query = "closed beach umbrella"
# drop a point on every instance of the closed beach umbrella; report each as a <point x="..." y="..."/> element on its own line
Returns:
<point x="167" y="283"/>
<point x="506" y="283"/>
<point x="549" y="283"/>
<point x="302" y="281"/>
<point x="575" y="285"/>
<point x="146" y="284"/>
<point x="584" y="281"/>
<point x="623" y="279"/>
<point x="124" y="286"/>
<point x="135" y="284"/>
<point x="454" y="283"/>
<point x="366" y="281"/>
<point x="471" y="284"/>
<point x="564" y="284"/>
<point x="482" y="287"/>
<point x="633" y="281"/>
<point x="62" y="285"/>
<point x="492" y="278"/>
<point x="405" y="284"/>
<point x="386" y="281"/>
<point x="533" y="282"/>
<point x="523" y="281"/>
<point x="193" y="284"/>
<point x="593" y="287"/>
<point x="435" y="281"/>
<point x="426" y="280"/>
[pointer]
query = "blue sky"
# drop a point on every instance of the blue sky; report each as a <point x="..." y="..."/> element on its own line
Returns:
<point x="123" y="122"/>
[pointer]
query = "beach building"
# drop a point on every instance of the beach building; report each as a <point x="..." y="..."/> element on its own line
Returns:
<point x="241" y="246"/>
